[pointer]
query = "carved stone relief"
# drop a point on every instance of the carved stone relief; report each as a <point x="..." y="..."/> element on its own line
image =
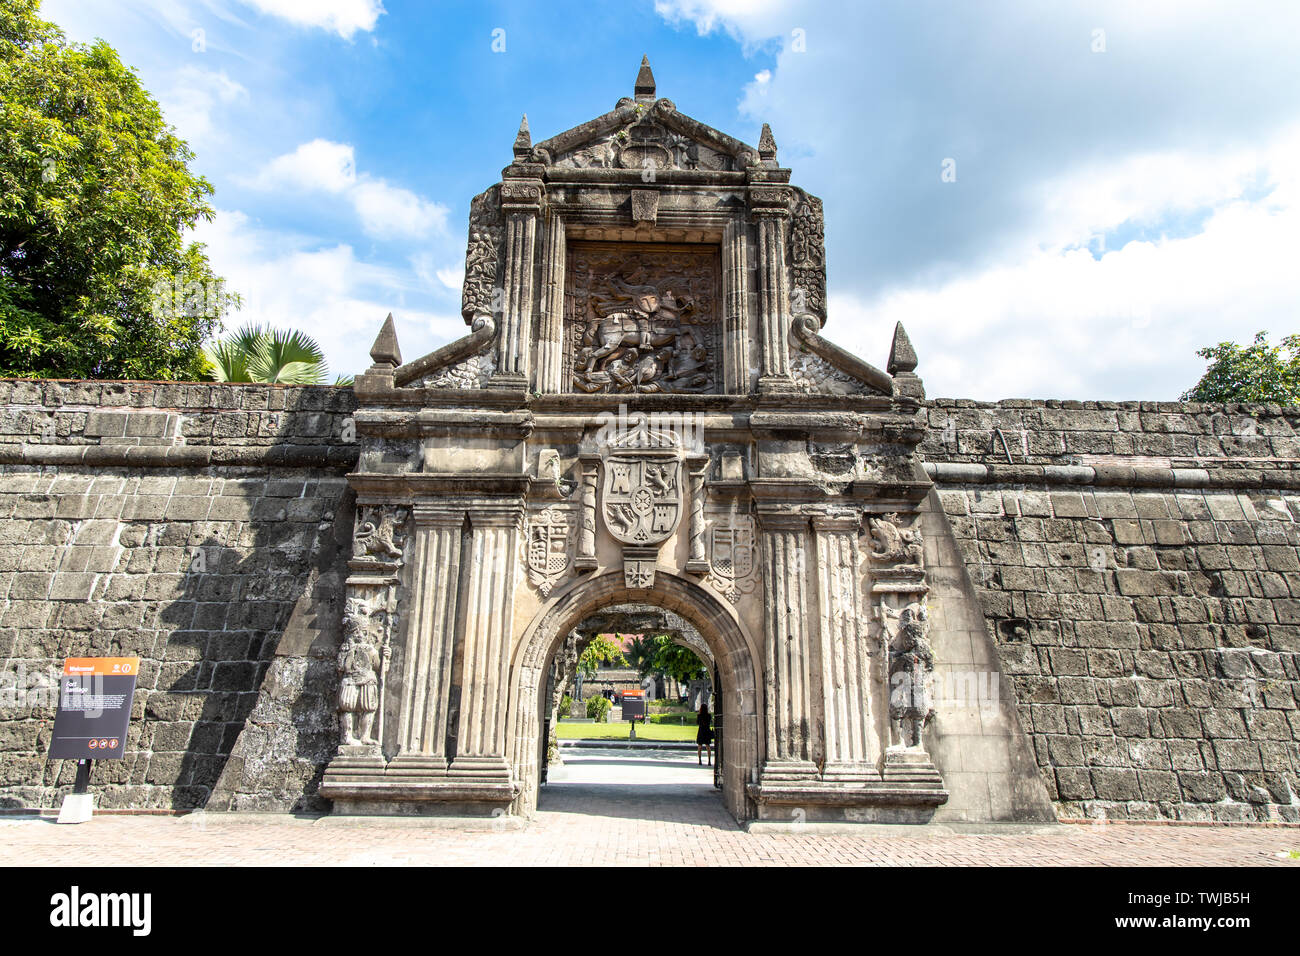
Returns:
<point x="641" y="497"/>
<point x="645" y="144"/>
<point x="911" y="675"/>
<point x="361" y="661"/>
<point x="379" y="534"/>
<point x="896" y="543"/>
<point x="642" y="318"/>
<point x="814" y="375"/>
<point x="486" y="232"/>
<point x="808" y="258"/>
<point x="547" y="548"/>
<point x="473" y="372"/>
<point x="733" y="557"/>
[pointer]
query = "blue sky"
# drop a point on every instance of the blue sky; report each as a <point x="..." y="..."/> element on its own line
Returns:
<point x="1127" y="180"/>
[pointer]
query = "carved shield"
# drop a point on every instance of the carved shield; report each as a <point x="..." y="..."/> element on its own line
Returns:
<point x="733" y="551"/>
<point x="548" y="549"/>
<point x="641" y="497"/>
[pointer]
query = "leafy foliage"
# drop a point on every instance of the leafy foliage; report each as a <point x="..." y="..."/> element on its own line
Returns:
<point x="274" y="356"/>
<point x="600" y="651"/>
<point x="598" y="708"/>
<point x="680" y="663"/>
<point x="96" y="195"/>
<point x="1256" y="373"/>
<point x="641" y="653"/>
<point x="658" y="655"/>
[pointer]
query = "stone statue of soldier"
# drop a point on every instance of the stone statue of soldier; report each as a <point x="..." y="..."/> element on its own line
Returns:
<point x="359" y="664"/>
<point x="911" y="676"/>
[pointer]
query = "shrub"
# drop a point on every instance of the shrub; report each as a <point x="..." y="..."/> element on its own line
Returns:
<point x="598" y="709"/>
<point x="566" y="702"/>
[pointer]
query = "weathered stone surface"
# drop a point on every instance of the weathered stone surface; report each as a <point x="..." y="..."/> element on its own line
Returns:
<point x="176" y="569"/>
<point x="1170" y="605"/>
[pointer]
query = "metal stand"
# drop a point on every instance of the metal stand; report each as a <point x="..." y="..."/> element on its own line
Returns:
<point x="78" y="806"/>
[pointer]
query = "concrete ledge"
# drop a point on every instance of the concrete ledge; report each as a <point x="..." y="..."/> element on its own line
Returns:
<point x="910" y="831"/>
<point x="1112" y="476"/>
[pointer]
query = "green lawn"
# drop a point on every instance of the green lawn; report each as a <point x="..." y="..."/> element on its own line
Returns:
<point x="567" y="731"/>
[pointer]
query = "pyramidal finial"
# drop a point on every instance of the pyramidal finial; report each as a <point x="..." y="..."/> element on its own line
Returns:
<point x="902" y="357"/>
<point x="644" y="91"/>
<point x="766" y="144"/>
<point x="524" y="140"/>
<point x="385" y="350"/>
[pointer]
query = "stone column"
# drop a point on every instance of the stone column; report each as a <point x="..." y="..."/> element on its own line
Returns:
<point x="787" y="648"/>
<point x="585" y="559"/>
<point x="488" y="619"/>
<point x="549" y="377"/>
<point x="842" y="622"/>
<point x="698" y="561"/>
<point x="430" y="646"/>
<point x="521" y="205"/>
<point x="770" y="206"/>
<point x="735" y="329"/>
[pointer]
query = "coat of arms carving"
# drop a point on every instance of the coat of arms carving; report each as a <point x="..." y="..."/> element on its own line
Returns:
<point x="642" y="497"/>
<point x="733" y="556"/>
<point x="548" y="548"/>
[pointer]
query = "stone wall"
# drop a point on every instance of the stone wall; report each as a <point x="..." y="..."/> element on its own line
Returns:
<point x="1137" y="566"/>
<point x="202" y="528"/>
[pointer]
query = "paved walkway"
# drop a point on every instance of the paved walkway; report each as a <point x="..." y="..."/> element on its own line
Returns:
<point x="607" y="807"/>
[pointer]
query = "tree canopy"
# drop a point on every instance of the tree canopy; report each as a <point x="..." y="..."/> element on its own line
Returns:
<point x="658" y="655"/>
<point x="601" y="650"/>
<point x="97" y="279"/>
<point x="1259" y="372"/>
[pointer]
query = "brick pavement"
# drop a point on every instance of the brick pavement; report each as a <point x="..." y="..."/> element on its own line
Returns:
<point x="609" y="806"/>
<point x="602" y="824"/>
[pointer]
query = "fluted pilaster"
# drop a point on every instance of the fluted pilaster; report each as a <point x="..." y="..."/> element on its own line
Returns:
<point x="787" y="647"/>
<point x="735" y="283"/>
<point x="423" y="720"/>
<point x="550" y="338"/>
<point x="850" y="749"/>
<point x="488" y="620"/>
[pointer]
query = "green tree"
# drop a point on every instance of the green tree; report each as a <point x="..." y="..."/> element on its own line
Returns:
<point x="1256" y="373"/>
<point x="601" y="650"/>
<point x="680" y="663"/>
<point x="641" y="651"/>
<point x="274" y="356"/>
<point x="97" y="279"/>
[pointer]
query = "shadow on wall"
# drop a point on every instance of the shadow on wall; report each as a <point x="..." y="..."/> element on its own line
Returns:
<point x="236" y="620"/>
<point x="266" y="666"/>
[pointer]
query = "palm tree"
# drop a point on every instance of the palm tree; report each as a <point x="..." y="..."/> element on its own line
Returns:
<point x="273" y="356"/>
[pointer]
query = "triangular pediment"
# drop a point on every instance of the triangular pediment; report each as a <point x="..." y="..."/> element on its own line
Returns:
<point x="639" y="136"/>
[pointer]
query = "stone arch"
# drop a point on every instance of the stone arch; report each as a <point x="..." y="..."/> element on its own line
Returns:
<point x="732" y="647"/>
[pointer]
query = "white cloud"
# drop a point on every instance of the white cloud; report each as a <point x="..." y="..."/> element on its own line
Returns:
<point x="1058" y="322"/>
<point x="318" y="165"/>
<point x="388" y="212"/>
<point x="323" y="290"/>
<point x="196" y="94"/>
<point x="1194" y="183"/>
<point x="344" y="17"/>
<point x="385" y="211"/>
<point x="453" y="278"/>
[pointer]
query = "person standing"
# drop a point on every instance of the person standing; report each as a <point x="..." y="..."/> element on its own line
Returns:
<point x="703" y="734"/>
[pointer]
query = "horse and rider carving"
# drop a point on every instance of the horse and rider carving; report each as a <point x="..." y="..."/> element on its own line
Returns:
<point x="639" y="338"/>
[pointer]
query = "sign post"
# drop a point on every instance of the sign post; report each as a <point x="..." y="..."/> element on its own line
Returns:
<point x="633" y="707"/>
<point x="94" y="712"/>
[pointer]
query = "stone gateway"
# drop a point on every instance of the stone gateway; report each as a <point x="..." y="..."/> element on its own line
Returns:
<point x="659" y="283"/>
<point x="369" y="600"/>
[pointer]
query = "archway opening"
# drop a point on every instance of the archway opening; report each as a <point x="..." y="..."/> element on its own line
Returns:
<point x="634" y="777"/>
<point x="628" y="716"/>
